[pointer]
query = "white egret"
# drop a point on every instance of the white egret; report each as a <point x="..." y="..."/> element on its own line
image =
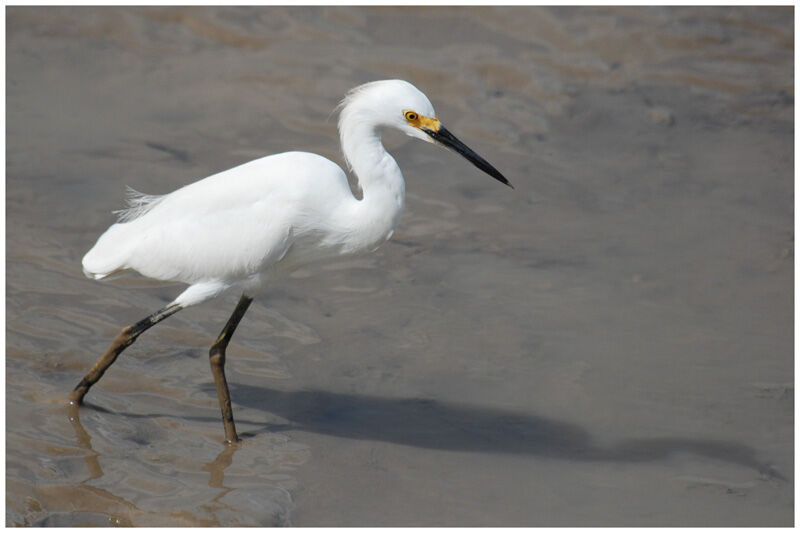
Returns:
<point x="241" y="228"/>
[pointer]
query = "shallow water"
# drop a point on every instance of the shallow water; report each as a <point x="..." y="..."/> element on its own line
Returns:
<point x="608" y="344"/>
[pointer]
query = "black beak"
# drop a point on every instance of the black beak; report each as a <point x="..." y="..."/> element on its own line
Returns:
<point x="445" y="138"/>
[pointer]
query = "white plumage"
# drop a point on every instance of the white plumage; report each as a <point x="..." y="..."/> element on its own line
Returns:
<point x="241" y="227"/>
<point x="232" y="228"/>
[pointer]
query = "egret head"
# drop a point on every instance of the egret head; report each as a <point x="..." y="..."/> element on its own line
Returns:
<point x="398" y="104"/>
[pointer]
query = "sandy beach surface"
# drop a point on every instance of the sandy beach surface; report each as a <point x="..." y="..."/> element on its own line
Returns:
<point x="609" y="344"/>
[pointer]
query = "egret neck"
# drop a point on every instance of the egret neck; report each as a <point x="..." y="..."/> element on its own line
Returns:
<point x="379" y="177"/>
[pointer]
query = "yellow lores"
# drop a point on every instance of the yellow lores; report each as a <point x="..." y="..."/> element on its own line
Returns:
<point x="422" y="122"/>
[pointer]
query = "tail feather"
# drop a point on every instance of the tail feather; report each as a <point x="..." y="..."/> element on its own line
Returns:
<point x="108" y="255"/>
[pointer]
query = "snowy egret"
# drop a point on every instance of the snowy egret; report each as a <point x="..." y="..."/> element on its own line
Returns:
<point x="241" y="228"/>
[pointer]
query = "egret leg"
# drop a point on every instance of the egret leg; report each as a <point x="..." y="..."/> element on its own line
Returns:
<point x="217" y="359"/>
<point x="124" y="339"/>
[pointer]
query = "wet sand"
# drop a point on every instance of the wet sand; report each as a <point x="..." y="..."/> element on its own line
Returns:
<point x="609" y="344"/>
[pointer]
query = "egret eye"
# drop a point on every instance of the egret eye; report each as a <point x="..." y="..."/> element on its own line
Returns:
<point x="411" y="116"/>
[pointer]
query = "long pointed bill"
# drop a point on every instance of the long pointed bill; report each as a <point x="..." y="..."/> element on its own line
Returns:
<point x="445" y="138"/>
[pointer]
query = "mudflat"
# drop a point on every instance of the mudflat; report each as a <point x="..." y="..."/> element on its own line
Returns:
<point x="609" y="344"/>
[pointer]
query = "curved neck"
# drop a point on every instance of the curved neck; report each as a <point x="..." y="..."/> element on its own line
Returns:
<point x="378" y="175"/>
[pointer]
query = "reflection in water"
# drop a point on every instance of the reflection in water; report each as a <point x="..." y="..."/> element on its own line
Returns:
<point x="92" y="458"/>
<point x="230" y="504"/>
<point x="217" y="467"/>
<point x="87" y="505"/>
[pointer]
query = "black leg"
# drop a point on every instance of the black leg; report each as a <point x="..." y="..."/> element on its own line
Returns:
<point x="217" y="359"/>
<point x="124" y="339"/>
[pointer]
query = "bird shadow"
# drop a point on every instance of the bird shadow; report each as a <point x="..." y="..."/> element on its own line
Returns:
<point x="432" y="424"/>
